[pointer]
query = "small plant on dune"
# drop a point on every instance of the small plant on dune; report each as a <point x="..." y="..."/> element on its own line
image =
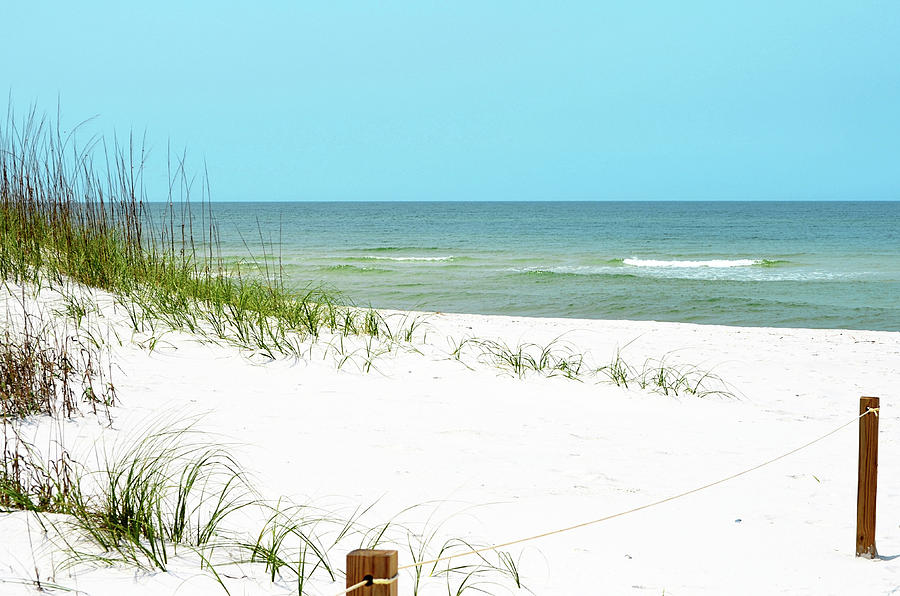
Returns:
<point x="41" y="373"/>
<point x="559" y="359"/>
<point x="403" y="331"/>
<point x="31" y="480"/>
<point x="372" y="322"/>
<point x="458" y="349"/>
<point x="372" y="350"/>
<point x="618" y="371"/>
<point x="476" y="572"/>
<point x="409" y="326"/>
<point x="479" y="575"/>
<point x="297" y="541"/>
<point x="342" y="320"/>
<point x="550" y="360"/>
<point x="77" y="307"/>
<point x="515" y="360"/>
<point x="571" y="367"/>
<point x="274" y="549"/>
<point x="669" y="379"/>
<point x="167" y="489"/>
<point x="35" y="378"/>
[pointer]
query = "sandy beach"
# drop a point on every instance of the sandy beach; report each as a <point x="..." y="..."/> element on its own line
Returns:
<point x="550" y="300"/>
<point x="485" y="456"/>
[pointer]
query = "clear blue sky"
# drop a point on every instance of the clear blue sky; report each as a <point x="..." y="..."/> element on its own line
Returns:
<point x="483" y="100"/>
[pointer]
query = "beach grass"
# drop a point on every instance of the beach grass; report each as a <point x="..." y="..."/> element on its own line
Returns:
<point x="53" y="376"/>
<point x="166" y="489"/>
<point x="561" y="359"/>
<point x="174" y="491"/>
<point x="45" y="372"/>
<point x="65" y="219"/>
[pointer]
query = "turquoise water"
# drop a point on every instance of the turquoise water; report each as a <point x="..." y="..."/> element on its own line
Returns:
<point x="787" y="264"/>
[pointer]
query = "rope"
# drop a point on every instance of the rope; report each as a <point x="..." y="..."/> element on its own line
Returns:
<point x="369" y="582"/>
<point x="642" y="507"/>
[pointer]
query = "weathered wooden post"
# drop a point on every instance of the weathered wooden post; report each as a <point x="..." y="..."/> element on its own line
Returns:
<point x="868" y="478"/>
<point x="368" y="566"/>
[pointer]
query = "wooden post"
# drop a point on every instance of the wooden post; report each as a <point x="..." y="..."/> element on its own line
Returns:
<point x="868" y="479"/>
<point x="372" y="564"/>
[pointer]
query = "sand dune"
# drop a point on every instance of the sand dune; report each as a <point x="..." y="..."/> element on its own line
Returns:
<point x="495" y="457"/>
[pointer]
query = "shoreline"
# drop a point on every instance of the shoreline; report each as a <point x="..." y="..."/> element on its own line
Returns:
<point x="591" y="321"/>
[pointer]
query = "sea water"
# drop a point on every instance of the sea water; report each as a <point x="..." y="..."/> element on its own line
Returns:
<point x="782" y="264"/>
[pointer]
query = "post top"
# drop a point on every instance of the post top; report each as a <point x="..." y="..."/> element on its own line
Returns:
<point x="868" y="402"/>
<point x="364" y="552"/>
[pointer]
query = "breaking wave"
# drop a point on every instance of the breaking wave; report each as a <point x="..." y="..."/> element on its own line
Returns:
<point x="711" y="263"/>
<point x="380" y="258"/>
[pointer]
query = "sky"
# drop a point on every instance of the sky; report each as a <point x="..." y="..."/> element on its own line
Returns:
<point x="420" y="100"/>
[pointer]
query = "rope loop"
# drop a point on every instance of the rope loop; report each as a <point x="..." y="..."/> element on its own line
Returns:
<point x="369" y="581"/>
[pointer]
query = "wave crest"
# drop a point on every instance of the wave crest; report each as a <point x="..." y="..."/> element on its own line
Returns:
<point x="380" y="258"/>
<point x="711" y="263"/>
<point x="395" y="248"/>
<point x="353" y="269"/>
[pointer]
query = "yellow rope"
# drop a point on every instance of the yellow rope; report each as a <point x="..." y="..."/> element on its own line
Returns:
<point x="609" y="517"/>
<point x="368" y="582"/>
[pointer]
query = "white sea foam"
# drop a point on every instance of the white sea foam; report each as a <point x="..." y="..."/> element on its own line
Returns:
<point x="706" y="272"/>
<point x="446" y="258"/>
<point x="713" y="263"/>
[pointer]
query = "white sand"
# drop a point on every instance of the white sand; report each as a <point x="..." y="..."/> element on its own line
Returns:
<point x="516" y="457"/>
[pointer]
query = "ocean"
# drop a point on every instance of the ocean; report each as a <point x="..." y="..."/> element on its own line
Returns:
<point x="778" y="264"/>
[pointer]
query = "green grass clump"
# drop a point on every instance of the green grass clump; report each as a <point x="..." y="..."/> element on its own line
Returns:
<point x="63" y="217"/>
<point x="618" y="371"/>
<point x="558" y="359"/>
<point x="174" y="491"/>
<point x="677" y="379"/>
<point x="553" y="359"/>
<point x="32" y="481"/>
<point x="41" y="373"/>
<point x="168" y="489"/>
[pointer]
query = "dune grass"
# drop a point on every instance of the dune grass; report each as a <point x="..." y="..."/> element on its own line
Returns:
<point x="561" y="359"/>
<point x="167" y="489"/>
<point x="66" y="218"/>
<point x="173" y="491"/>
<point x="44" y="372"/>
<point x="42" y="377"/>
<point x="31" y="480"/>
